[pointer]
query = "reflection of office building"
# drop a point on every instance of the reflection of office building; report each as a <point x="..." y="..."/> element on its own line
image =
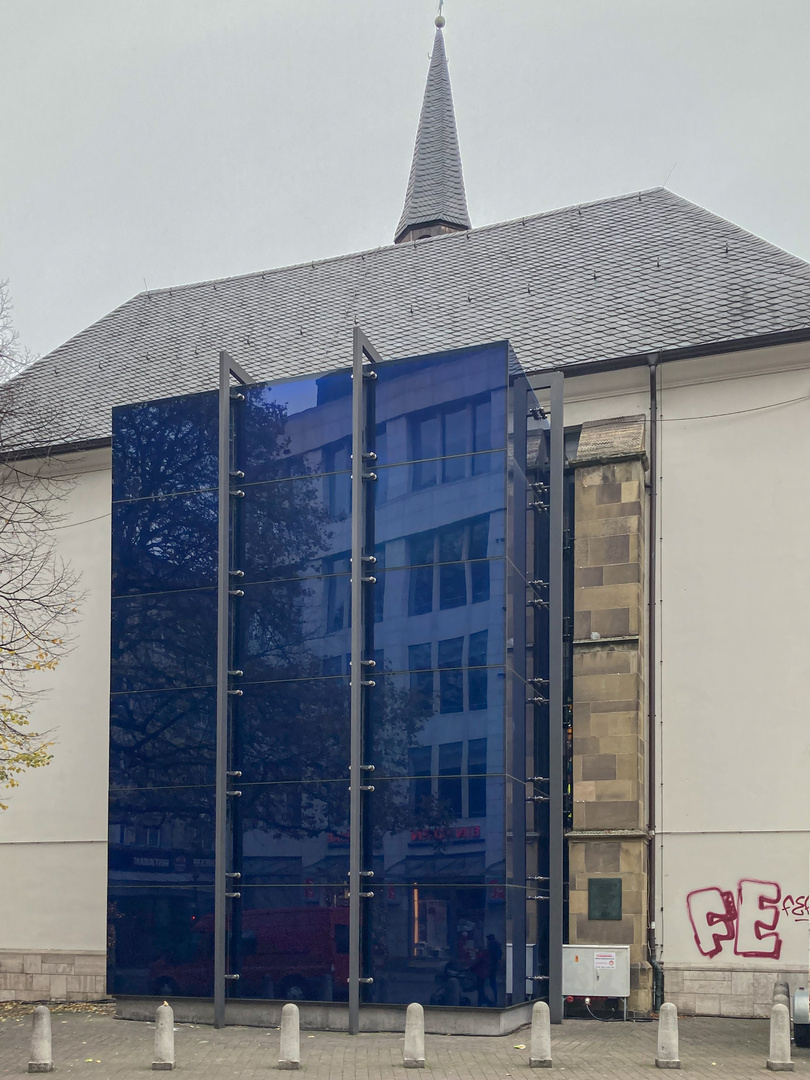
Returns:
<point x="677" y="332"/>
<point x="443" y="814"/>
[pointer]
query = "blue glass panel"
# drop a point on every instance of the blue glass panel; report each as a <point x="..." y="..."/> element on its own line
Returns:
<point x="297" y="730"/>
<point x="163" y="640"/>
<point x="442" y="829"/>
<point x="447" y="403"/>
<point x="419" y="502"/>
<point x="165" y="446"/>
<point x="411" y="711"/>
<point x="161" y="837"/>
<point x="161" y="941"/>
<point x="165" y="543"/>
<point x="300" y="628"/>
<point x="439" y="945"/>
<point x="295" y="629"/>
<point x="516" y="913"/>
<point x="294" y="833"/>
<point x="291" y="942"/>
<point x="282" y="434"/>
<point x="165" y="737"/>
<point x="417" y="609"/>
<point x="291" y="528"/>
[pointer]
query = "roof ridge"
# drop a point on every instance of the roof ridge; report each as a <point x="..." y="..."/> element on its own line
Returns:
<point x="304" y="263"/>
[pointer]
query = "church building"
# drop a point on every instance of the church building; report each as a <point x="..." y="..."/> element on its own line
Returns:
<point x="556" y="718"/>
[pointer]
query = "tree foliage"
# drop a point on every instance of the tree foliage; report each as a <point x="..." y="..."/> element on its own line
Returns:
<point x="38" y="592"/>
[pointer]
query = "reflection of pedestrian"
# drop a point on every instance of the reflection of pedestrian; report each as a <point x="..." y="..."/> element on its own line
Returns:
<point x="495" y="953"/>
<point x="480" y="970"/>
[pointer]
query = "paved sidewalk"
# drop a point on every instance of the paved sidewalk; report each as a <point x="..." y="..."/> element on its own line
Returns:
<point x="102" y="1048"/>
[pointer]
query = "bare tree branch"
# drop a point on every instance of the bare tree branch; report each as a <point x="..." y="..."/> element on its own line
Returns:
<point x="39" y="594"/>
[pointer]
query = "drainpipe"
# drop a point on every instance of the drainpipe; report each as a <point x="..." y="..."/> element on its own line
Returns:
<point x="652" y="569"/>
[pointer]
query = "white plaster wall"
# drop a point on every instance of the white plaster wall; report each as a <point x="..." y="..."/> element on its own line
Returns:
<point x="733" y="647"/>
<point x="53" y="835"/>
<point x="770" y="930"/>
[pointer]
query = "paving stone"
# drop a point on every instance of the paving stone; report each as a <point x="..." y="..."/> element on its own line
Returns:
<point x="583" y="1049"/>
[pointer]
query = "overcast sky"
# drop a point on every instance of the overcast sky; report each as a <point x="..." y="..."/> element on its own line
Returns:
<point x="167" y="141"/>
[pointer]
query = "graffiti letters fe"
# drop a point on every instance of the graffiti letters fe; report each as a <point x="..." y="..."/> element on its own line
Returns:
<point x="749" y="919"/>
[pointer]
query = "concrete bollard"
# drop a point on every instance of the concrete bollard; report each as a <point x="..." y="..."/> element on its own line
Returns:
<point x="779" y="1054"/>
<point x="415" y="1037"/>
<point x="164" y="1038"/>
<point x="781" y="988"/>
<point x="540" y="1042"/>
<point x="290" y="1052"/>
<point x="781" y="999"/>
<point x="41" y="1053"/>
<point x="668" y="1038"/>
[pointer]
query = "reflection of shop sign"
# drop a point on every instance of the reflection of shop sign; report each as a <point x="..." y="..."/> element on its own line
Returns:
<point x="309" y="892"/>
<point x="151" y="862"/>
<point x="444" y="834"/>
<point x="174" y="862"/>
<point x="497" y="893"/>
<point x="337" y="839"/>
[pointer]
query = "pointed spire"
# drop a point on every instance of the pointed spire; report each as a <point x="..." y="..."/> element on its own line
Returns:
<point x="435" y="201"/>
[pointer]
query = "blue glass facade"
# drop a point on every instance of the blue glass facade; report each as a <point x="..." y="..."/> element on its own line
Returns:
<point x="444" y="829"/>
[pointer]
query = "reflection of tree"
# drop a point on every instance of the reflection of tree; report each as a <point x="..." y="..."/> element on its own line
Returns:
<point x="169" y="542"/>
<point x="299" y="731"/>
<point x="164" y="640"/>
<point x="165" y="738"/>
<point x="294" y="729"/>
<point x="165" y="446"/>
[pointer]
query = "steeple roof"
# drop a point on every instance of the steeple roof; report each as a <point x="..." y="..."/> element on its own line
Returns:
<point x="435" y="192"/>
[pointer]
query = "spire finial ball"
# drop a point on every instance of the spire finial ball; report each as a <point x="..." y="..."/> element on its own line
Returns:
<point x="440" y="21"/>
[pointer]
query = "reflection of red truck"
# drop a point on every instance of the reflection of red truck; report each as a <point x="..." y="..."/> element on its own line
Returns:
<point x="291" y="953"/>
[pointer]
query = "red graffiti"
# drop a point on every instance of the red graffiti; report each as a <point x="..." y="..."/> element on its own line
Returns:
<point x="750" y="922"/>
<point x="713" y="915"/>
<point x="753" y="938"/>
<point x="797" y="906"/>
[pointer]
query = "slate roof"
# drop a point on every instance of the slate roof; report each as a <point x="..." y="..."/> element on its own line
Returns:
<point x="436" y="183"/>
<point x="607" y="279"/>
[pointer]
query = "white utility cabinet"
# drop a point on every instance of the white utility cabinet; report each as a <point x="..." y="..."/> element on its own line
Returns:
<point x="596" y="971"/>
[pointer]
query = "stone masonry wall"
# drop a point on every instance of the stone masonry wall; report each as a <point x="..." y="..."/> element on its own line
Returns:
<point x="699" y="991"/>
<point x="52" y="976"/>
<point x="609" y="837"/>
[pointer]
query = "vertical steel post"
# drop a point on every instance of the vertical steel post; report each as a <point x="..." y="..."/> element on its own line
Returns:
<point x="362" y="348"/>
<point x="356" y="716"/>
<point x="555" y="737"/>
<point x="517" y="591"/>
<point x="227" y="369"/>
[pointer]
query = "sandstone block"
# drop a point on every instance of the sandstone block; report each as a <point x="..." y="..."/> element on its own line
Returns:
<point x="601" y="856"/>
<point x="620" y="574"/>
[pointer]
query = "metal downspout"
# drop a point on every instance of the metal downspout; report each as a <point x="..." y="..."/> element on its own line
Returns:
<point x="652" y="571"/>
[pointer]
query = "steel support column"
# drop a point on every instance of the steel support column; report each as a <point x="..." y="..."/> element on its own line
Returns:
<point x="556" y="741"/>
<point x="228" y="369"/>
<point x="364" y="356"/>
